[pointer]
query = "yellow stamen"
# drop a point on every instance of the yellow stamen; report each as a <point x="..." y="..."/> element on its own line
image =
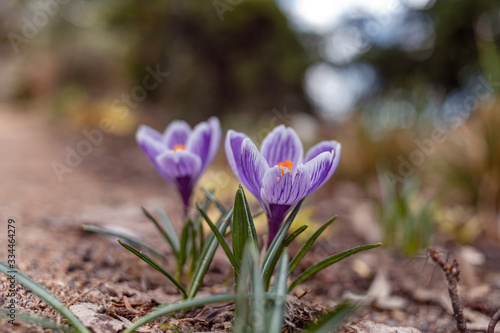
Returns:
<point x="287" y="164"/>
<point x="179" y="147"/>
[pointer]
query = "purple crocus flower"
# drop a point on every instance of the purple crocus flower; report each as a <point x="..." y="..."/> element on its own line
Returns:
<point x="278" y="175"/>
<point x="181" y="154"/>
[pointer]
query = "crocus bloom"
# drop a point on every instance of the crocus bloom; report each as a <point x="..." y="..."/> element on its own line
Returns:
<point x="181" y="154"/>
<point x="279" y="175"/>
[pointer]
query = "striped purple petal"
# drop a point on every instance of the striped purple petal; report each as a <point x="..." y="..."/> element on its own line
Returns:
<point x="282" y="144"/>
<point x="179" y="164"/>
<point x="321" y="147"/>
<point x="321" y="167"/>
<point x="251" y="167"/>
<point x="150" y="142"/>
<point x="282" y="187"/>
<point x="233" y="143"/>
<point x="176" y="133"/>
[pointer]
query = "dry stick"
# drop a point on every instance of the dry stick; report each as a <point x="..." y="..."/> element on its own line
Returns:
<point x="452" y="276"/>
<point x="493" y="322"/>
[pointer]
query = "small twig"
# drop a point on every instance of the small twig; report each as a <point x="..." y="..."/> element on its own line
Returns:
<point x="129" y="307"/>
<point x="452" y="276"/>
<point x="493" y="322"/>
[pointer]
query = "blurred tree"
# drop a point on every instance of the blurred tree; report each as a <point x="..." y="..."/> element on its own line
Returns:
<point x="440" y="62"/>
<point x="222" y="57"/>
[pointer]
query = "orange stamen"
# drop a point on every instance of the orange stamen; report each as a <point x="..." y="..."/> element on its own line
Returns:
<point x="179" y="147"/>
<point x="287" y="164"/>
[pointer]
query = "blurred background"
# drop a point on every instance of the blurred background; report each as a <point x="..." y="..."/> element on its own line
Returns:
<point x="408" y="87"/>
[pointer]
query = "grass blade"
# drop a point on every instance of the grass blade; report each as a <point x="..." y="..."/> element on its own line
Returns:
<point x="169" y="228"/>
<point x="210" y="196"/>
<point x="186" y="304"/>
<point x="275" y="249"/>
<point x="155" y="265"/>
<point x="132" y="240"/>
<point x="222" y="242"/>
<point x="38" y="320"/>
<point x="44" y="294"/>
<point x="208" y="253"/>
<point x="307" y="245"/>
<point x="330" y="321"/>
<point x="243" y="227"/>
<point x="161" y="229"/>
<point x="329" y="261"/>
<point x="280" y="292"/>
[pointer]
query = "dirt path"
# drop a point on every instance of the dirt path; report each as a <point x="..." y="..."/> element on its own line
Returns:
<point x="111" y="184"/>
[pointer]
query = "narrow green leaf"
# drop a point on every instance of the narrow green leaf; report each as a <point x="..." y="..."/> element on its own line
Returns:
<point x="307" y="245"/>
<point x="258" y="311"/>
<point x="243" y="227"/>
<point x="45" y="295"/>
<point x="329" y="261"/>
<point x="169" y="227"/>
<point x="186" y="304"/>
<point x="275" y="249"/>
<point x="38" y="320"/>
<point x="242" y="303"/>
<point x="182" y="258"/>
<point x="284" y="244"/>
<point x="130" y="239"/>
<point x="289" y="239"/>
<point x="210" y="196"/>
<point x="156" y="266"/>
<point x="208" y="253"/>
<point x="331" y="320"/>
<point x="222" y="241"/>
<point x="162" y="231"/>
<point x="280" y="292"/>
<point x="193" y="254"/>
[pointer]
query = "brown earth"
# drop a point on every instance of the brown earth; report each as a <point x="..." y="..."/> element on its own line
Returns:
<point x="111" y="184"/>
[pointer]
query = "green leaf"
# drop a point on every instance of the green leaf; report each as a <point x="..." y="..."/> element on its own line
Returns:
<point x="130" y="239"/>
<point x="210" y="196"/>
<point x="307" y="245"/>
<point x="207" y="254"/>
<point x="276" y="248"/>
<point x="329" y="261"/>
<point x="280" y="292"/>
<point x="165" y="234"/>
<point x="289" y="239"/>
<point x="182" y="258"/>
<point x="45" y="295"/>
<point x="222" y="242"/>
<point x="156" y="266"/>
<point x="242" y="306"/>
<point x="186" y="304"/>
<point x="169" y="227"/>
<point x="243" y="227"/>
<point x="38" y="320"/>
<point x="258" y="310"/>
<point x="330" y="321"/>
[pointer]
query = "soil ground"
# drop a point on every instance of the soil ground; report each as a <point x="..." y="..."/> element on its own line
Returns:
<point x="114" y="180"/>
